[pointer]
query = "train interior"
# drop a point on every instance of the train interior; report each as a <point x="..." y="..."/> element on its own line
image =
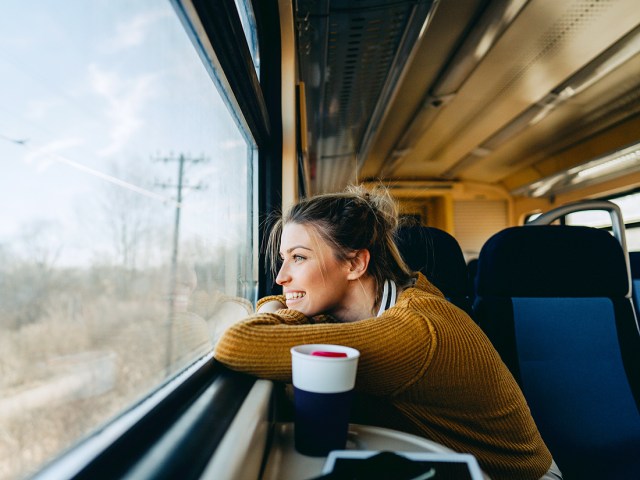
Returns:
<point x="524" y="102"/>
<point x="478" y="116"/>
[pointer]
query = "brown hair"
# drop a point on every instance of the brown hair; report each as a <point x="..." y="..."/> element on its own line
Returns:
<point x="351" y="220"/>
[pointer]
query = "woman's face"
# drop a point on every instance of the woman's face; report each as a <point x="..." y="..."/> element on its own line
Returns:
<point x="313" y="280"/>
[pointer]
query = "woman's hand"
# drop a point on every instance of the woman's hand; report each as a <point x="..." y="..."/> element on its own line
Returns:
<point x="271" y="307"/>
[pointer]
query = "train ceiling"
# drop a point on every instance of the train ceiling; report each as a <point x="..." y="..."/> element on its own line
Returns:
<point x="504" y="92"/>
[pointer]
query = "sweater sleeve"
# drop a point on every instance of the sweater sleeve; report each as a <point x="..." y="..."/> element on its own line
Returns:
<point x="277" y="298"/>
<point x="395" y="348"/>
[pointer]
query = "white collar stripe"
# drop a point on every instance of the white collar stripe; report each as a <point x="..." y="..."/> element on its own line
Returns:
<point x="393" y="296"/>
<point x="388" y="298"/>
<point x="385" y="296"/>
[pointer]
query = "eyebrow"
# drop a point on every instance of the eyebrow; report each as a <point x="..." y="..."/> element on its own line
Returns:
<point x="289" y="250"/>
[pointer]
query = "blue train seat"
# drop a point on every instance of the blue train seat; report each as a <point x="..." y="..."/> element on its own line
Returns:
<point x="439" y="257"/>
<point x="554" y="301"/>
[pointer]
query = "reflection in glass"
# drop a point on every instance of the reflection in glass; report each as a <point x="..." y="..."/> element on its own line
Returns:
<point x="126" y="213"/>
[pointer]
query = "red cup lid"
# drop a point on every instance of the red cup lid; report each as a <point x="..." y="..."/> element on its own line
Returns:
<point x="321" y="353"/>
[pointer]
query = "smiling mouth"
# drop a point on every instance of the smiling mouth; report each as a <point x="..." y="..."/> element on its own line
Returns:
<point x="294" y="295"/>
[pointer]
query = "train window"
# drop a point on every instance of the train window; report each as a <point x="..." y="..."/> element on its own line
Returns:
<point x="629" y="206"/>
<point x="590" y="218"/>
<point x="127" y="216"/>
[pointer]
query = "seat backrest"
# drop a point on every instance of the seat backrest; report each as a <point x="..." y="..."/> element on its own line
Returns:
<point x="634" y="262"/>
<point x="439" y="257"/>
<point x="552" y="300"/>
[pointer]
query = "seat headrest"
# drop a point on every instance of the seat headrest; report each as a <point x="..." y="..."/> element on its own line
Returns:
<point x="437" y="255"/>
<point x="552" y="261"/>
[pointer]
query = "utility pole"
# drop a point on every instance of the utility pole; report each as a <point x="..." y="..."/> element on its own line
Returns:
<point x="182" y="160"/>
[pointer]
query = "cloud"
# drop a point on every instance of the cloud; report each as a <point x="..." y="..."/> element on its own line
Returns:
<point x="134" y="31"/>
<point x="125" y="99"/>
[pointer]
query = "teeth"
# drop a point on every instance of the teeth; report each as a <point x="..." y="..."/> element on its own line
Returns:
<point x="292" y="295"/>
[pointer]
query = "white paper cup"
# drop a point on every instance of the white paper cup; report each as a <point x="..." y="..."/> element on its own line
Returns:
<point x="323" y="391"/>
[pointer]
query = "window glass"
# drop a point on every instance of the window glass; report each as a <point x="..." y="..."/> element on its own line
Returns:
<point x="633" y="239"/>
<point x="630" y="208"/>
<point x="532" y="217"/>
<point x="590" y="218"/>
<point x="126" y="201"/>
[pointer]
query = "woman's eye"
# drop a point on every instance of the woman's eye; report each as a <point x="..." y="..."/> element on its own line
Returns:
<point x="298" y="258"/>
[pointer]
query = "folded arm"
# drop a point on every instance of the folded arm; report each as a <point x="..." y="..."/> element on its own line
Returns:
<point x="395" y="348"/>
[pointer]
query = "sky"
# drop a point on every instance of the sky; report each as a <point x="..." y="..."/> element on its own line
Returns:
<point x="101" y="97"/>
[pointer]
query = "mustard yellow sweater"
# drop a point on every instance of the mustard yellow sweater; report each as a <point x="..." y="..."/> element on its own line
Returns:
<point x="424" y="356"/>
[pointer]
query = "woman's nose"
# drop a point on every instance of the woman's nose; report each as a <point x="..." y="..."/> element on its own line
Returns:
<point x="283" y="276"/>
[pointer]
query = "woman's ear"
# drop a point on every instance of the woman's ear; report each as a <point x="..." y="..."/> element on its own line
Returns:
<point x="358" y="264"/>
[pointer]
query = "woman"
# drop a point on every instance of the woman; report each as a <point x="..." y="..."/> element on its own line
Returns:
<point x="421" y="358"/>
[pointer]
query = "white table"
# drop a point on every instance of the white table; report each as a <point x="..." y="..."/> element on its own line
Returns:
<point x="285" y="463"/>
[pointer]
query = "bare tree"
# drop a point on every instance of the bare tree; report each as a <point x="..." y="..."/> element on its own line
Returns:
<point x="129" y="221"/>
